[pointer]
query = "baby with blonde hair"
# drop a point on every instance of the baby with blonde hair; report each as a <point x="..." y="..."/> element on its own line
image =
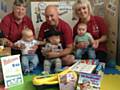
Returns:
<point x="29" y="57"/>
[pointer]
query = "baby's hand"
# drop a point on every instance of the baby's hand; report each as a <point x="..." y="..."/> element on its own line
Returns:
<point x="82" y="45"/>
<point x="19" y="46"/>
<point x="22" y="46"/>
<point x="34" y="47"/>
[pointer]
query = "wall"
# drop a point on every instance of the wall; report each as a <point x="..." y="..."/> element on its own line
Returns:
<point x="5" y="7"/>
<point x="111" y="15"/>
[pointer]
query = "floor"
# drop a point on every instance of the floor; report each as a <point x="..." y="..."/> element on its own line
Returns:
<point x="110" y="81"/>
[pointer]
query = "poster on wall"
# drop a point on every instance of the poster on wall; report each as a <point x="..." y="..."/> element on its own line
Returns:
<point x="3" y="6"/>
<point x="12" y="72"/>
<point x="98" y="7"/>
<point x="0" y="6"/>
<point x="38" y="8"/>
<point x="98" y="2"/>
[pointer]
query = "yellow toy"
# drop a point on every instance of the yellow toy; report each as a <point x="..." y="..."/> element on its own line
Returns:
<point x="51" y="79"/>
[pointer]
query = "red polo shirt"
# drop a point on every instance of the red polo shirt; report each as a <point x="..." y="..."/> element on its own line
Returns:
<point x="66" y="37"/>
<point x="97" y="27"/>
<point x="12" y="30"/>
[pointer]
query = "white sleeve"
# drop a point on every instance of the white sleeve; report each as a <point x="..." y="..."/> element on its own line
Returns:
<point x="18" y="42"/>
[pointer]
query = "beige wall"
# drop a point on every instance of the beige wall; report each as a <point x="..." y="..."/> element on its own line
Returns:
<point x="113" y="28"/>
<point x="9" y="4"/>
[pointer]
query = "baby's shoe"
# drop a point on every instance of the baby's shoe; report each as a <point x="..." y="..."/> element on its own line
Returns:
<point x="45" y="73"/>
<point x="31" y="68"/>
<point x="26" y="71"/>
<point x="58" y="70"/>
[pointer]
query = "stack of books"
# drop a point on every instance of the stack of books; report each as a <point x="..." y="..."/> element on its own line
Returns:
<point x="89" y="74"/>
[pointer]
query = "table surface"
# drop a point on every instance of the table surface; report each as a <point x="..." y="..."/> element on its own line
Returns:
<point x="6" y="51"/>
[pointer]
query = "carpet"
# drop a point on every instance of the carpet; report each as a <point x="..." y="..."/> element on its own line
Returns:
<point x="110" y="81"/>
<point x="112" y="70"/>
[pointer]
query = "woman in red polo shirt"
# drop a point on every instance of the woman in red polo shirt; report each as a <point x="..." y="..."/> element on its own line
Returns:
<point x="95" y="25"/>
<point x="13" y="23"/>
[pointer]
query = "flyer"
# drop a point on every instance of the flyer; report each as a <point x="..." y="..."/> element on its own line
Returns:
<point x="12" y="71"/>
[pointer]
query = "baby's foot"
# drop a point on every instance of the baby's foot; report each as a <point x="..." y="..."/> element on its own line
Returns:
<point x="45" y="73"/>
<point x="58" y="70"/>
<point x="31" y="68"/>
<point x="27" y="71"/>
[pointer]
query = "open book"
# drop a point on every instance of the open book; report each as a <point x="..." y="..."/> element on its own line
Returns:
<point x="83" y="67"/>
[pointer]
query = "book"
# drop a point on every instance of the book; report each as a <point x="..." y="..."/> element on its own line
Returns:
<point x="88" y="81"/>
<point x="82" y="66"/>
<point x="89" y="61"/>
<point x="67" y="81"/>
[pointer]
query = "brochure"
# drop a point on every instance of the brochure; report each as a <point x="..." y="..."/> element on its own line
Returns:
<point x="88" y="81"/>
<point x="67" y="81"/>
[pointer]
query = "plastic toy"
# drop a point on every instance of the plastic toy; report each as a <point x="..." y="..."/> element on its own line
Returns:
<point x="51" y="79"/>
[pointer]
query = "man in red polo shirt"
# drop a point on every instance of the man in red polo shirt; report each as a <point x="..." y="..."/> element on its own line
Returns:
<point x="13" y="23"/>
<point x="52" y="18"/>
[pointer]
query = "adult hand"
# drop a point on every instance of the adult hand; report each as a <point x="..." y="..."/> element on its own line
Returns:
<point x="52" y="54"/>
<point x="45" y="51"/>
<point x="96" y="43"/>
<point x="82" y="45"/>
<point x="68" y="60"/>
<point x="8" y="43"/>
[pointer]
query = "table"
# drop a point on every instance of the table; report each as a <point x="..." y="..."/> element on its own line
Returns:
<point x="5" y="52"/>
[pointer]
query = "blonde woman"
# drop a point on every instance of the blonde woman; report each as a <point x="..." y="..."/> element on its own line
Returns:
<point x="96" y="26"/>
